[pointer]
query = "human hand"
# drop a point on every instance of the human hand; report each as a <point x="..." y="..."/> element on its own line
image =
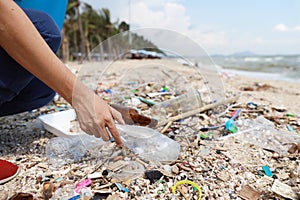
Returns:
<point x="95" y="116"/>
<point x="132" y="117"/>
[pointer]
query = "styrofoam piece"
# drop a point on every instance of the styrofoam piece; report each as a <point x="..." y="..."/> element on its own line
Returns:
<point x="59" y="123"/>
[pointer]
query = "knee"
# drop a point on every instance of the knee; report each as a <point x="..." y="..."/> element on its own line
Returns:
<point x="36" y="94"/>
<point x="21" y="104"/>
<point x="33" y="102"/>
<point x="47" y="98"/>
<point x="46" y="27"/>
<point x="44" y="98"/>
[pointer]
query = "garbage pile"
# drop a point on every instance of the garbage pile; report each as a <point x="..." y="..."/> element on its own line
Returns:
<point x="247" y="151"/>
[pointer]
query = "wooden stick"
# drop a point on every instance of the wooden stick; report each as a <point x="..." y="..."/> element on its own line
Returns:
<point x="166" y="127"/>
<point x="196" y="111"/>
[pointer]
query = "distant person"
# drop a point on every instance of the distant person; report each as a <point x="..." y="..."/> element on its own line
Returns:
<point x="30" y="73"/>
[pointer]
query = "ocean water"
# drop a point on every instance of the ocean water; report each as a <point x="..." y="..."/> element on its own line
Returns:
<point x="278" y="67"/>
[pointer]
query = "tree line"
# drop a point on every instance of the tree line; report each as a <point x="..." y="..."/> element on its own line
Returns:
<point x="85" y="28"/>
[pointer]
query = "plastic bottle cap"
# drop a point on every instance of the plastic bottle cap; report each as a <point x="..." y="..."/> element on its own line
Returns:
<point x="290" y="128"/>
<point x="230" y="126"/>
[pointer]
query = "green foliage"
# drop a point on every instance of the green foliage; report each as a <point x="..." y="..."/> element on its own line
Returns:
<point x="85" y="28"/>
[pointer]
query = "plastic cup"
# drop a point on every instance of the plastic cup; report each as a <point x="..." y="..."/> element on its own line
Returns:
<point x="176" y="106"/>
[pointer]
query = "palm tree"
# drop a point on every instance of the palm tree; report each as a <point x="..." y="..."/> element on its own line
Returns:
<point x="69" y="32"/>
<point x="67" y="28"/>
<point x="82" y="37"/>
<point x="108" y="29"/>
<point x="84" y="31"/>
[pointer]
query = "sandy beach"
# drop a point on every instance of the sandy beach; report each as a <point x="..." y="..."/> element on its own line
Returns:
<point x="226" y="171"/>
<point x="267" y="92"/>
<point x="278" y="93"/>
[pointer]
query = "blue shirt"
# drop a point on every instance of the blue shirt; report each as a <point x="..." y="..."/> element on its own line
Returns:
<point x="56" y="9"/>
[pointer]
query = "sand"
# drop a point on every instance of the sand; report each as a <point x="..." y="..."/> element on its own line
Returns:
<point x="23" y="139"/>
<point x="278" y="93"/>
<point x="267" y="92"/>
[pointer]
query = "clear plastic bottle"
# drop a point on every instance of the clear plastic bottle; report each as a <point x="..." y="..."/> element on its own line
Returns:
<point x="149" y="143"/>
<point x="177" y="105"/>
<point x="64" y="150"/>
<point x="262" y="132"/>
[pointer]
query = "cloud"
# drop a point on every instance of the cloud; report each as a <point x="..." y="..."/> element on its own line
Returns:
<point x="214" y="37"/>
<point x="297" y="28"/>
<point x="285" y="28"/>
<point x="169" y="15"/>
<point x="281" y="27"/>
<point x="172" y="15"/>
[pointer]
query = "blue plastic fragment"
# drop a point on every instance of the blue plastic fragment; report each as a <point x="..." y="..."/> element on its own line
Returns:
<point x="121" y="188"/>
<point x="75" y="197"/>
<point x="290" y="128"/>
<point x="252" y="105"/>
<point x="267" y="171"/>
<point x="108" y="91"/>
<point x="229" y="124"/>
<point x="146" y="101"/>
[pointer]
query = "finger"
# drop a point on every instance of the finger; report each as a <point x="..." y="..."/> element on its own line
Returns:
<point x="105" y="135"/>
<point x="116" y="115"/>
<point x="86" y="129"/>
<point x="94" y="130"/>
<point x="114" y="132"/>
<point x="98" y="134"/>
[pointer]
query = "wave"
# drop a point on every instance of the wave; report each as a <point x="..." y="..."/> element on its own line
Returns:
<point x="281" y="67"/>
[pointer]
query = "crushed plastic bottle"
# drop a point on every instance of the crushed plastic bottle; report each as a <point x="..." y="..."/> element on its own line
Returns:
<point x="261" y="132"/>
<point x="149" y="143"/>
<point x="63" y="150"/>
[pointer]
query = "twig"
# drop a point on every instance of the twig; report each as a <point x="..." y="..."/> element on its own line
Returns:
<point x="227" y="109"/>
<point x="196" y="111"/>
<point x="92" y="171"/>
<point x="166" y="127"/>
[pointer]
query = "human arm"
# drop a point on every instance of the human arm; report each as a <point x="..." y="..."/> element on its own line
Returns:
<point x="20" y="39"/>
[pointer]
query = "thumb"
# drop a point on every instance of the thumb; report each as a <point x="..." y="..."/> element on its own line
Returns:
<point x="116" y="115"/>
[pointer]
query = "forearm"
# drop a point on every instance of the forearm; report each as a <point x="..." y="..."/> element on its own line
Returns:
<point x="23" y="42"/>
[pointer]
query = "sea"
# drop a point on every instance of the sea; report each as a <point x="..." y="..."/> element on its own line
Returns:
<point x="275" y="67"/>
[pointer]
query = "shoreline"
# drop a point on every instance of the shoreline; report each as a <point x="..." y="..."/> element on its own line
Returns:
<point x="261" y="75"/>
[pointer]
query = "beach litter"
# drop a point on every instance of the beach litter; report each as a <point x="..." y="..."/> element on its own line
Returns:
<point x="261" y="160"/>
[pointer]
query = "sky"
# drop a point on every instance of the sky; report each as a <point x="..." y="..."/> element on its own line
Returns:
<point x="218" y="26"/>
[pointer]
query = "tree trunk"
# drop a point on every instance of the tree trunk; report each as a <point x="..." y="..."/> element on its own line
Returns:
<point x="110" y="53"/>
<point x="75" y="39"/>
<point x="88" y="50"/>
<point x="101" y="50"/>
<point x="65" y="46"/>
<point x="82" y="41"/>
